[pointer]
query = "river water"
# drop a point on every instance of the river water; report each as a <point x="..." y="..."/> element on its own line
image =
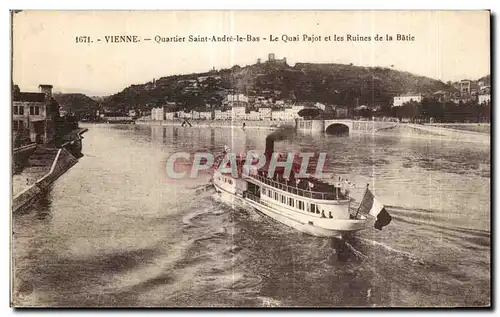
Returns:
<point x="115" y="231"/>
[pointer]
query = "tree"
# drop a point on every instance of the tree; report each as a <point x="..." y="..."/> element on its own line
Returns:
<point x="309" y="113"/>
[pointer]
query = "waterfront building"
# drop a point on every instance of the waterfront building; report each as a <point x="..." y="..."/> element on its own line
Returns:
<point x="278" y="115"/>
<point x="158" y="114"/>
<point x="287" y="114"/>
<point x="409" y="97"/>
<point x="184" y="115"/>
<point x="206" y="115"/>
<point x="465" y="87"/>
<point x="265" y="113"/>
<point x="33" y="115"/>
<point x="195" y="115"/>
<point x="484" y="98"/>
<point x="238" y="112"/>
<point x="222" y="114"/>
<point x="169" y="115"/>
<point x="253" y="116"/>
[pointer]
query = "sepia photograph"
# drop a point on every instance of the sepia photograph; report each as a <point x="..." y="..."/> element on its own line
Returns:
<point x="250" y="159"/>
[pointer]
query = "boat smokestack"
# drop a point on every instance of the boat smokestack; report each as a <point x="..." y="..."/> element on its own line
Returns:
<point x="283" y="133"/>
<point x="269" y="148"/>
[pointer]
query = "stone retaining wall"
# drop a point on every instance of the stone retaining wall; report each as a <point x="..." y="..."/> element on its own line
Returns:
<point x="62" y="162"/>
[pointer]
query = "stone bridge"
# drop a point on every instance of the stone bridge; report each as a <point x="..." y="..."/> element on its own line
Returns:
<point x="342" y="126"/>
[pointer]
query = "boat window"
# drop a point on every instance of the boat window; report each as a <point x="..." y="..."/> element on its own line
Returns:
<point x="313" y="208"/>
<point x="283" y="199"/>
<point x="301" y="204"/>
<point x="275" y="196"/>
<point x="290" y="202"/>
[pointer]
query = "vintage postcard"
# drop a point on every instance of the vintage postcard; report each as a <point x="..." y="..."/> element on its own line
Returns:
<point x="251" y="159"/>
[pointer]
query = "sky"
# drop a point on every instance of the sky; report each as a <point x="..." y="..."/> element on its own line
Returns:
<point x="447" y="45"/>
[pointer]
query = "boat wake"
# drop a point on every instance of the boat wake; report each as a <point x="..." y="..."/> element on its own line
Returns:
<point x="402" y="254"/>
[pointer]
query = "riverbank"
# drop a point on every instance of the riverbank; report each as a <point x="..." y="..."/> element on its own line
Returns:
<point x="28" y="185"/>
<point x="471" y="127"/>
<point x="42" y="168"/>
<point x="407" y="130"/>
<point x="218" y="124"/>
<point x="443" y="133"/>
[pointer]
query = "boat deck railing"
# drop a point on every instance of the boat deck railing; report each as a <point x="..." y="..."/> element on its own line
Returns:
<point x="299" y="191"/>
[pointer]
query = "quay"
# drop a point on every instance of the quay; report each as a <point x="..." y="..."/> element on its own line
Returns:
<point x="328" y="126"/>
<point x="342" y="127"/>
<point x="42" y="168"/>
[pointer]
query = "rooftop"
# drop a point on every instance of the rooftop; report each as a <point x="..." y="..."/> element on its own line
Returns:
<point x="30" y="97"/>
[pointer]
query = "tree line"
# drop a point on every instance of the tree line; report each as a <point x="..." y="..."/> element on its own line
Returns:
<point x="434" y="110"/>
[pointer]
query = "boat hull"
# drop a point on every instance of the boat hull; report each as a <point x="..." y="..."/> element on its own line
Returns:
<point x="320" y="227"/>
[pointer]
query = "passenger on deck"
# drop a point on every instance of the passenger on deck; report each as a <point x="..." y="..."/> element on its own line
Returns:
<point x="323" y="214"/>
<point x="330" y="214"/>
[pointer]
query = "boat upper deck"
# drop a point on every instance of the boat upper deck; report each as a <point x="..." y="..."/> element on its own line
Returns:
<point x="320" y="190"/>
<point x="309" y="187"/>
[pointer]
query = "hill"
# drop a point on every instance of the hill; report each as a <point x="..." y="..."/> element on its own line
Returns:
<point x="77" y="103"/>
<point x="486" y="80"/>
<point x="339" y="84"/>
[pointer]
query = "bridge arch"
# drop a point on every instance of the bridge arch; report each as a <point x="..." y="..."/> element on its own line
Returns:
<point x="337" y="129"/>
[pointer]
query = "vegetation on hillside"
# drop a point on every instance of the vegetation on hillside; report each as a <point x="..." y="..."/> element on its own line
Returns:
<point x="77" y="104"/>
<point x="338" y="84"/>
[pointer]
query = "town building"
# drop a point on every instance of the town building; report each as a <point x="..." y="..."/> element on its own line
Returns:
<point x="170" y="115"/>
<point x="206" y="115"/>
<point x="441" y="95"/>
<point x="253" y="116"/>
<point x="201" y="115"/>
<point x="222" y="114"/>
<point x="158" y="114"/>
<point x="195" y="115"/>
<point x="341" y="112"/>
<point x="465" y="87"/>
<point x="484" y="98"/>
<point x="278" y="115"/>
<point x="238" y="112"/>
<point x="184" y="115"/>
<point x="234" y="98"/>
<point x="264" y="113"/>
<point x="400" y="100"/>
<point x="34" y="114"/>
